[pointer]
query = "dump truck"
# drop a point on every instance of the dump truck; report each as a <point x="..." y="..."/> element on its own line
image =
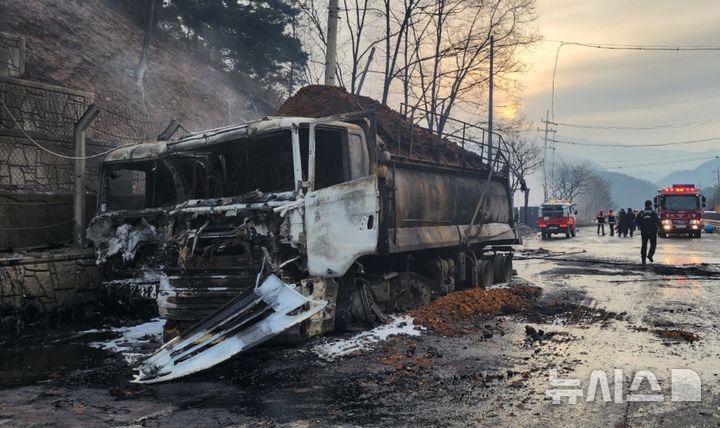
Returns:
<point x="292" y="227"/>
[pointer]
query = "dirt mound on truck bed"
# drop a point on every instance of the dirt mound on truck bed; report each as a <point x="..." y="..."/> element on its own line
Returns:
<point x="396" y="131"/>
<point x="456" y="313"/>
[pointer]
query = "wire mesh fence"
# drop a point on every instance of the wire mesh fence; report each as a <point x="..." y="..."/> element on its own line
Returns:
<point x="37" y="125"/>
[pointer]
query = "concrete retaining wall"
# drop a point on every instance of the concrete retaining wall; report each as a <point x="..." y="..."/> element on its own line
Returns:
<point x="37" y="284"/>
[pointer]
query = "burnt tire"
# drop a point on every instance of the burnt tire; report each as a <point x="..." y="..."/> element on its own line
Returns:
<point x="503" y="269"/>
<point x="474" y="273"/>
<point x="414" y="292"/>
<point x="488" y="273"/>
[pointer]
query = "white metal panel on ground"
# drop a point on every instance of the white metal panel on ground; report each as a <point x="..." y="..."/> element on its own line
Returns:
<point x="243" y="323"/>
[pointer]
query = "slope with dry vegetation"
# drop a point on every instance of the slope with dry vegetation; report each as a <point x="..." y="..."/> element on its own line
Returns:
<point x="87" y="45"/>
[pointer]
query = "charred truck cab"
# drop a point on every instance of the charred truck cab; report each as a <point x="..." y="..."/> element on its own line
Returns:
<point x="290" y="226"/>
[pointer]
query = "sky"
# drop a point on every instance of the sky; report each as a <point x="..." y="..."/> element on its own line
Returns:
<point x="628" y="88"/>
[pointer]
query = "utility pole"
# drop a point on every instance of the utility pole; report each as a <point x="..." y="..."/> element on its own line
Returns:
<point x="546" y="140"/>
<point x="490" y="104"/>
<point x="545" y="184"/>
<point x="717" y="187"/>
<point x="331" y="49"/>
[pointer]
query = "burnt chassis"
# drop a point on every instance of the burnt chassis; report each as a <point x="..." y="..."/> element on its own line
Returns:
<point x="389" y="236"/>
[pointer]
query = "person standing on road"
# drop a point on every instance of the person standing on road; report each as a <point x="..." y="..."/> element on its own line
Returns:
<point x="648" y="222"/>
<point x="622" y="222"/>
<point x="601" y="223"/>
<point x="611" y="222"/>
<point x="632" y="215"/>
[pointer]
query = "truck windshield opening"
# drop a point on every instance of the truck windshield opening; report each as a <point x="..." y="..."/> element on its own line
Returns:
<point x="138" y="185"/>
<point x="552" y="211"/>
<point x="230" y="168"/>
<point x="681" y="202"/>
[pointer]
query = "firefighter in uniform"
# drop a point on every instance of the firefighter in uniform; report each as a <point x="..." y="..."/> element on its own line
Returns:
<point x="611" y="222"/>
<point x="632" y="214"/>
<point x="648" y="222"/>
<point x="601" y="223"/>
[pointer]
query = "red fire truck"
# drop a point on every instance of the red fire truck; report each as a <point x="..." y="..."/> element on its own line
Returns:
<point x="556" y="217"/>
<point x="680" y="208"/>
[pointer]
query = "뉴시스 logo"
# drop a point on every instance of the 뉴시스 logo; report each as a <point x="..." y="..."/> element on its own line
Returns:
<point x="684" y="386"/>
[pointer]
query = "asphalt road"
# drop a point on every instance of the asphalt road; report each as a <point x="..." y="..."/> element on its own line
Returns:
<point x="600" y="311"/>
<point x="679" y="292"/>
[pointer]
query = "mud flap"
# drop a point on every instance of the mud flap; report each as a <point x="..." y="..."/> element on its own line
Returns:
<point x="243" y="323"/>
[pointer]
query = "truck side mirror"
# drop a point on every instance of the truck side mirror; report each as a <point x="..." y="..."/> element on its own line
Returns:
<point x="704" y="202"/>
<point x="655" y="202"/>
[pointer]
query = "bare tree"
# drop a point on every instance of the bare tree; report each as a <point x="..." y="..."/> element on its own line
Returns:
<point x="356" y="13"/>
<point x="396" y="30"/>
<point x="596" y="197"/>
<point x="571" y="180"/>
<point x="434" y="53"/>
<point x="313" y="23"/>
<point x="452" y="55"/>
<point x="524" y="158"/>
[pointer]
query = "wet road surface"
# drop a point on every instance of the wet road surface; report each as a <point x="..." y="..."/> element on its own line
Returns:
<point x="599" y="311"/>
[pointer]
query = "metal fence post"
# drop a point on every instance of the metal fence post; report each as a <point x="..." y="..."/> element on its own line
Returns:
<point x="79" y="168"/>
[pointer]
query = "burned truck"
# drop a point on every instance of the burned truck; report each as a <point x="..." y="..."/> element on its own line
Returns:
<point x="292" y="227"/>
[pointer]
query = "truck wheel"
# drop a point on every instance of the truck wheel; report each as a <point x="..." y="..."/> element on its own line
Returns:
<point x="543" y="236"/>
<point x="503" y="268"/>
<point x="488" y="273"/>
<point x="482" y="275"/>
<point x="472" y="277"/>
<point x="567" y="233"/>
<point x="696" y="235"/>
<point x="662" y="235"/>
<point x="414" y="292"/>
<point x="573" y="232"/>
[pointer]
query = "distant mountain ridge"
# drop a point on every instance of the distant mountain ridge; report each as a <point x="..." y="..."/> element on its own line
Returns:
<point x="704" y="175"/>
<point x="628" y="191"/>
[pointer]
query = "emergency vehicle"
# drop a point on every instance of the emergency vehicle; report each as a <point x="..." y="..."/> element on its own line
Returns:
<point x="556" y="217"/>
<point x="680" y="208"/>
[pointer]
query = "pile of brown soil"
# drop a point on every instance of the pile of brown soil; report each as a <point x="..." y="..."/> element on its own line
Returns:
<point x="396" y="131"/>
<point x="406" y="362"/>
<point x="402" y="355"/>
<point x="450" y="314"/>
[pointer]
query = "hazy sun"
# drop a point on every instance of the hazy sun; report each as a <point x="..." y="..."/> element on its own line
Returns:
<point x="509" y="111"/>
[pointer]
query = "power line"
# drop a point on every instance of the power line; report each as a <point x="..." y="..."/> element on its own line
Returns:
<point x="639" y="128"/>
<point x="688" y="158"/>
<point x="614" y="144"/>
<point x="649" y="164"/>
<point x="609" y="46"/>
<point x="638" y="47"/>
